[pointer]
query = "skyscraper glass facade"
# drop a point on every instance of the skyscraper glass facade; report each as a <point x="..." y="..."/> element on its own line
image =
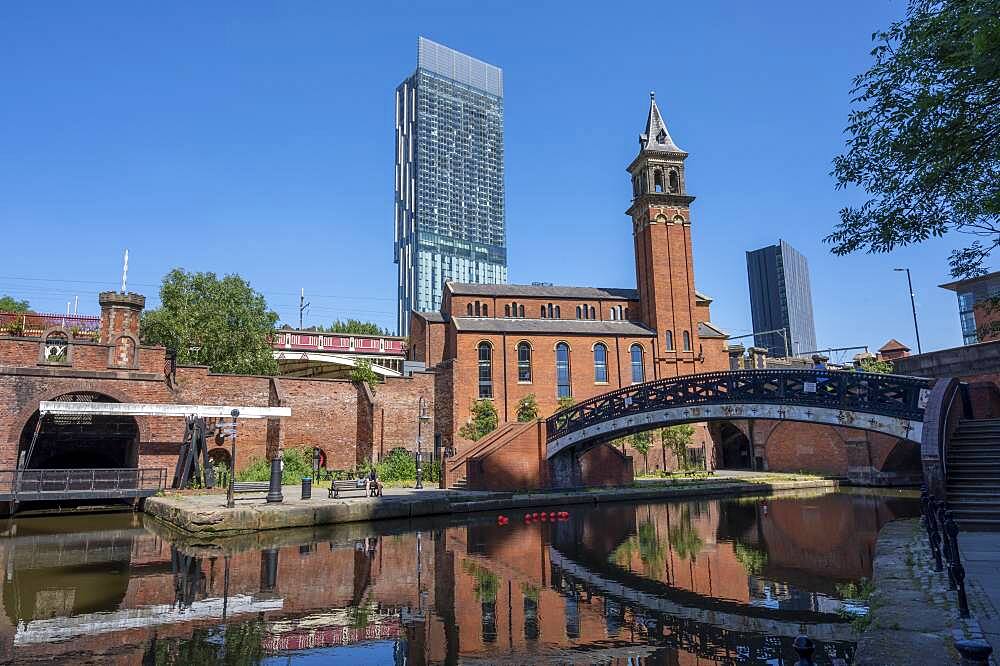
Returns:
<point x="449" y="178"/>
<point x="781" y="300"/>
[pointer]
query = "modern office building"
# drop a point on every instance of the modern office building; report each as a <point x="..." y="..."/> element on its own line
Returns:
<point x="980" y="320"/>
<point x="781" y="300"/>
<point x="449" y="180"/>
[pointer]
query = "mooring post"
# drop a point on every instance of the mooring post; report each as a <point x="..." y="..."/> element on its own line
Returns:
<point x="274" y="495"/>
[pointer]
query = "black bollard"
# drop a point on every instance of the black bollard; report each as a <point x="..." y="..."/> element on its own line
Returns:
<point x="268" y="569"/>
<point x="975" y="652"/>
<point x="274" y="495"/>
<point x="307" y="487"/>
<point x="805" y="648"/>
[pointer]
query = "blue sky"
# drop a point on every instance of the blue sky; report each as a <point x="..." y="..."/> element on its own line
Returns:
<point x="256" y="138"/>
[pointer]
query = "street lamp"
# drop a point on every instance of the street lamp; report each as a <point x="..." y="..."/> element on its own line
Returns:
<point x="913" y="306"/>
<point x="421" y="417"/>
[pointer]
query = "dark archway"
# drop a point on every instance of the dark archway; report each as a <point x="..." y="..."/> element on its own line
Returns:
<point x="734" y="448"/>
<point x="68" y="441"/>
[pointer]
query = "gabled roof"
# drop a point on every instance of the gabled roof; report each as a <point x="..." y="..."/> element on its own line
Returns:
<point x="700" y="296"/>
<point x="430" y="316"/>
<point x="893" y="345"/>
<point x="656" y="137"/>
<point x="707" y="329"/>
<point x="550" y="326"/>
<point x="541" y="291"/>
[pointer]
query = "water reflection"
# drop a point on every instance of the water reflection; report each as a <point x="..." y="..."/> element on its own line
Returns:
<point x="681" y="583"/>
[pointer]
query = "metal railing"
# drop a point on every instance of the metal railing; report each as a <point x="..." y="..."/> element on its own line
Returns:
<point x="885" y="395"/>
<point x="34" y="484"/>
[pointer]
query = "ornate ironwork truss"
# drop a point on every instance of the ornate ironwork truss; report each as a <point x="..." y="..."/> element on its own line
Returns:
<point x="885" y="395"/>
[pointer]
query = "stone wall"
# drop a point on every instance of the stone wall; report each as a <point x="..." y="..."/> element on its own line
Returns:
<point x="969" y="363"/>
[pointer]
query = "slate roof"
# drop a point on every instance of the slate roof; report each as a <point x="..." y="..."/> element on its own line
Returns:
<point x="550" y="326"/>
<point x="431" y="316"/>
<point x="707" y="329"/>
<point x="656" y="137"/>
<point x="541" y="291"/>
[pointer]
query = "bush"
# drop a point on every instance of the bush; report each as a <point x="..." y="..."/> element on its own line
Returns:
<point x="399" y="465"/>
<point x="298" y="464"/>
<point x="527" y="408"/>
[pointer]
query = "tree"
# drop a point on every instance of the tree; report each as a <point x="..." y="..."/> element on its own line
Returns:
<point x="484" y="421"/>
<point x="362" y="372"/>
<point x="527" y="408"/>
<point x="876" y="365"/>
<point x="11" y="304"/>
<point x="353" y="326"/>
<point x="677" y="438"/>
<point x="223" y="324"/>
<point x="566" y="402"/>
<point x="924" y="136"/>
<point x="641" y="442"/>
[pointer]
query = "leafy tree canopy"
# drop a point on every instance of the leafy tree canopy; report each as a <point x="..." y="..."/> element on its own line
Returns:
<point x="484" y="421"/>
<point x="527" y="408"/>
<point x="362" y="372"/>
<point x="875" y="365"/>
<point x="223" y="324"/>
<point x="352" y="326"/>
<point x="11" y="304"/>
<point x="924" y="135"/>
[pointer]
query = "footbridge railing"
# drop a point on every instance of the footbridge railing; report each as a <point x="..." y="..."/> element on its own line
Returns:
<point x="29" y="485"/>
<point x="891" y="396"/>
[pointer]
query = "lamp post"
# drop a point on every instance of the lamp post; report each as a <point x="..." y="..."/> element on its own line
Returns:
<point x="421" y="417"/>
<point x="913" y="306"/>
<point x="230" y="501"/>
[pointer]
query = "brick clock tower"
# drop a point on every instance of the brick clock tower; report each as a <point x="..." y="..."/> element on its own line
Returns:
<point x="664" y="266"/>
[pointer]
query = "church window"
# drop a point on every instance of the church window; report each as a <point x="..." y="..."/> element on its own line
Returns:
<point x="600" y="363"/>
<point x="485" y="370"/>
<point x="523" y="362"/>
<point x="593" y="312"/>
<point x="563" y="387"/>
<point x="558" y="315"/>
<point x="687" y="341"/>
<point x="469" y="309"/>
<point x="673" y="182"/>
<point x="657" y="181"/>
<point x="638" y="372"/>
<point x="670" y="340"/>
<point x="506" y="310"/>
<point x="520" y="310"/>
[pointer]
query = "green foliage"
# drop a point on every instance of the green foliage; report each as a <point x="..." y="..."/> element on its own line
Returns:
<point x="684" y="538"/>
<point x="527" y="408"/>
<point x="11" y="304"/>
<point x="223" y="324"/>
<point x="861" y="590"/>
<point x="297" y="464"/>
<point x="566" y="402"/>
<point x="923" y="135"/>
<point x="362" y="372"/>
<point x="353" y="327"/>
<point x="875" y="365"/>
<point x="487" y="582"/>
<point x="484" y="421"/>
<point x="234" y="644"/>
<point x="399" y="465"/>
<point x="677" y="438"/>
<point x="752" y="559"/>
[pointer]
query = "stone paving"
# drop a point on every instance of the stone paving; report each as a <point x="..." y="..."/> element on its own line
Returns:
<point x="981" y="558"/>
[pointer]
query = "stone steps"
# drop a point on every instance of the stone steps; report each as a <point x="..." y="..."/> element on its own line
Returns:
<point x="973" y="469"/>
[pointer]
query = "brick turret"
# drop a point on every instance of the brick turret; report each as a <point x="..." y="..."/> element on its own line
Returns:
<point x="120" y="315"/>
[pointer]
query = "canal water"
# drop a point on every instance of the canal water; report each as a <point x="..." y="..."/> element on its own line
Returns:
<point x="730" y="581"/>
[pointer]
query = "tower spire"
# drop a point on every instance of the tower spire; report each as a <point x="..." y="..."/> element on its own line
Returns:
<point x="656" y="137"/>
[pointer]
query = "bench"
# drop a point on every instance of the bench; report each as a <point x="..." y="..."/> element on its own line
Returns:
<point x="337" y="487"/>
<point x="251" y="486"/>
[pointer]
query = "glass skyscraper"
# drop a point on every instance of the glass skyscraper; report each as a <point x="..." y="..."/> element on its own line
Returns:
<point x="781" y="300"/>
<point x="449" y="180"/>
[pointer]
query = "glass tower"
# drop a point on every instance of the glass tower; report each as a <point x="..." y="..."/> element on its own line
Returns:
<point x="449" y="204"/>
<point x="781" y="300"/>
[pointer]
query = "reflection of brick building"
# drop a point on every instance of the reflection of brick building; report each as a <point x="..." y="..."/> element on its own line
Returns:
<point x="503" y="342"/>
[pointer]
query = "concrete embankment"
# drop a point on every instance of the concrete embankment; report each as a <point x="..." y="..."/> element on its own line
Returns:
<point x="913" y="616"/>
<point x="206" y="515"/>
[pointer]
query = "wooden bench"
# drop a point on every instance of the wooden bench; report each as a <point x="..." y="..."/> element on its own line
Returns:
<point x="337" y="487"/>
<point x="251" y="486"/>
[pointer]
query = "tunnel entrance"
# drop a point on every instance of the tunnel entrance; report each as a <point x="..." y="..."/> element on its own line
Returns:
<point x="81" y="441"/>
<point x="734" y="447"/>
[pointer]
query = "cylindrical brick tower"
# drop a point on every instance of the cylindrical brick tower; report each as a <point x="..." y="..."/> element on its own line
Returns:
<point x="120" y="314"/>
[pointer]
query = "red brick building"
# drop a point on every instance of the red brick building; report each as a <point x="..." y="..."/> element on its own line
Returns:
<point x="504" y="342"/>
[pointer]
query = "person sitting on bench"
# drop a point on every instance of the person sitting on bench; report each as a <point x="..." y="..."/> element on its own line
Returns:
<point x="373" y="485"/>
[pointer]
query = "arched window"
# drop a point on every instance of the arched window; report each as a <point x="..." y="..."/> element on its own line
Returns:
<point x="621" y="315"/>
<point x="558" y="316"/>
<point x="550" y="311"/>
<point x="520" y="311"/>
<point x="123" y="355"/>
<point x="593" y="312"/>
<point x="578" y="312"/>
<point x="543" y="311"/>
<point x="563" y="387"/>
<point x="486" y="310"/>
<point x="506" y="310"/>
<point x="513" y="306"/>
<point x="657" y="181"/>
<point x="612" y="315"/>
<point x="638" y="372"/>
<point x="626" y="314"/>
<point x="485" y="370"/>
<point x="670" y="340"/>
<point x="523" y="362"/>
<point x="673" y="182"/>
<point x="479" y="309"/>
<point x="600" y="363"/>
<point x="687" y="341"/>
<point x="469" y="308"/>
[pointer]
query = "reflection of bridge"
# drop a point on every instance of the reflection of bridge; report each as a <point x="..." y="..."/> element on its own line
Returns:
<point x="315" y="354"/>
<point x="736" y="617"/>
<point x="889" y="404"/>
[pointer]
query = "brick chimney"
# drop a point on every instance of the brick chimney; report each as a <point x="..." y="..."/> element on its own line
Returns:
<point x="120" y="314"/>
